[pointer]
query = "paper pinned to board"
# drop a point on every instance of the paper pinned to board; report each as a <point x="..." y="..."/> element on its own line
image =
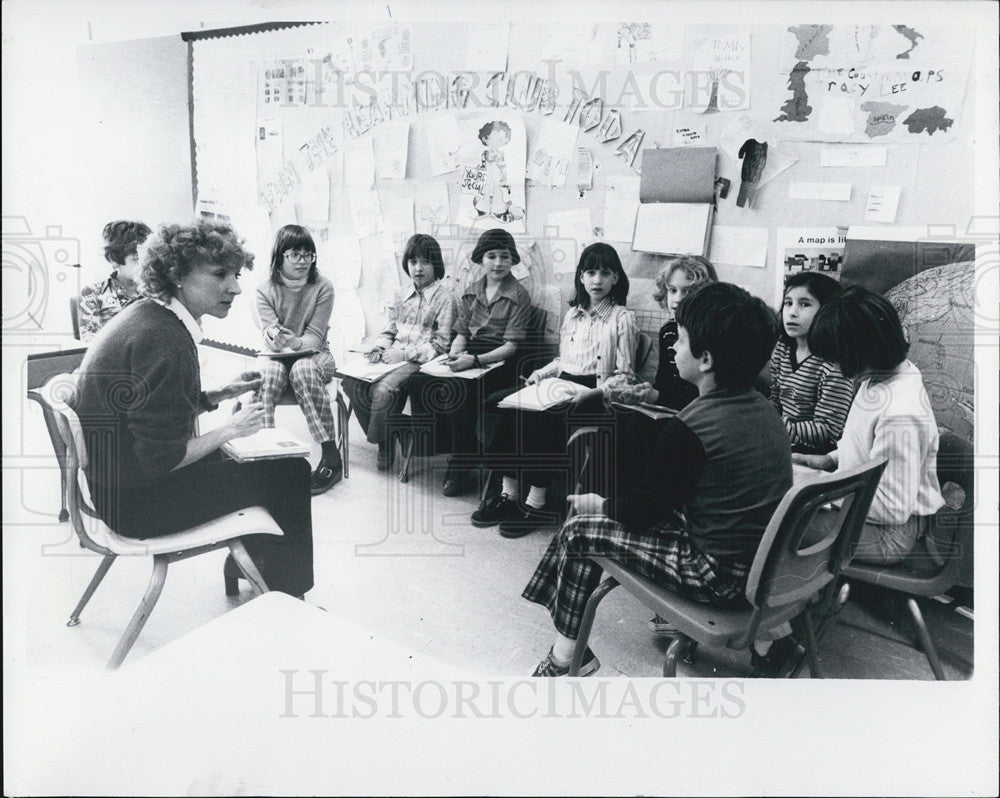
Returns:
<point x="486" y="47"/>
<point x="883" y="201"/>
<point x="392" y="149"/>
<point x="854" y="157"/>
<point x="574" y="225"/>
<point x="678" y="174"/>
<point x="550" y="156"/>
<point x="833" y="192"/>
<point x="739" y="246"/>
<point x="444" y="142"/>
<point x="680" y="228"/>
<point x="621" y="202"/>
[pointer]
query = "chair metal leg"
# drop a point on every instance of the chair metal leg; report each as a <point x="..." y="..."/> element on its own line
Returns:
<point x="404" y="469"/>
<point x="677" y="646"/>
<point x="160" y="564"/>
<point x="248" y="566"/>
<point x="587" y="622"/>
<point x="344" y="418"/>
<point x="95" y="580"/>
<point x="924" y="636"/>
<point x="814" y="670"/>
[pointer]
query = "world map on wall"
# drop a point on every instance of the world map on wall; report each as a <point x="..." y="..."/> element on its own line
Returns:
<point x="871" y="82"/>
<point x="936" y="309"/>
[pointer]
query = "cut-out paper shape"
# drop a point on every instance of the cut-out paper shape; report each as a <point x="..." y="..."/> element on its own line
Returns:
<point x="584" y="169"/>
<point x="753" y="153"/>
<point x="591" y="113"/>
<point x="628" y="148"/>
<point x="611" y="127"/>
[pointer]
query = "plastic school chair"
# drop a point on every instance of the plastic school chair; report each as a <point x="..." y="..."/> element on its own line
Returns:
<point x="796" y="559"/>
<point x="94" y="534"/>
<point x="933" y="567"/>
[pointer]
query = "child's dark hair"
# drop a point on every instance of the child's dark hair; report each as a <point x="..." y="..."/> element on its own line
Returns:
<point x="738" y="329"/>
<point x="424" y="247"/>
<point x="291" y="236"/>
<point x="698" y="270"/>
<point x="821" y="287"/>
<point x="122" y="239"/>
<point x="600" y="256"/>
<point x="496" y="238"/>
<point x="489" y="127"/>
<point x="860" y="331"/>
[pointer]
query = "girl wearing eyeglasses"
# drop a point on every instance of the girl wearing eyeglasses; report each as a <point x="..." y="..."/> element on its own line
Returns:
<point x="294" y="308"/>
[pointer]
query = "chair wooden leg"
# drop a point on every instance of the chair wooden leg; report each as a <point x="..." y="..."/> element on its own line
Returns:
<point x="587" y="622"/>
<point x="924" y="636"/>
<point x="159" y="576"/>
<point x="102" y="569"/>
<point x="248" y="566"/>
<point x="677" y="646"/>
<point x="814" y="670"/>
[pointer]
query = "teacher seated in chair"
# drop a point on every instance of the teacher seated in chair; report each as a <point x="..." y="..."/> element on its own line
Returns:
<point x="139" y="396"/>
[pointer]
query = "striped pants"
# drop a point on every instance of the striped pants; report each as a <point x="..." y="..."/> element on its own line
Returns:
<point x="308" y="377"/>
<point x="565" y="579"/>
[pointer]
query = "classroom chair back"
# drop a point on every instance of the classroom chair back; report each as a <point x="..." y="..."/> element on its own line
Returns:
<point x="802" y="551"/>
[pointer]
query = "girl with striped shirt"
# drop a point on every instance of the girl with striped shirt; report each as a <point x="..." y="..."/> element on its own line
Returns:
<point x="810" y="393"/>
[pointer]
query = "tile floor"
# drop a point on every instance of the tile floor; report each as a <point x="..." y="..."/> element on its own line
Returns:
<point x="403" y="561"/>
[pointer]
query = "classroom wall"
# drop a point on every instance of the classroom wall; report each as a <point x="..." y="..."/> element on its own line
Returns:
<point x="934" y="177"/>
<point x="134" y="137"/>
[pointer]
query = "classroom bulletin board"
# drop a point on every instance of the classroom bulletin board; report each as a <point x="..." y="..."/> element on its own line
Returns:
<point x="366" y="134"/>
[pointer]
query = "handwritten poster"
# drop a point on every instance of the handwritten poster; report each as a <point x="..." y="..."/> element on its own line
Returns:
<point x="550" y="156"/>
<point x="719" y="72"/>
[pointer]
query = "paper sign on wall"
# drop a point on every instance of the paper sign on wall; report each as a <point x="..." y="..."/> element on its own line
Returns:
<point x="882" y="204"/>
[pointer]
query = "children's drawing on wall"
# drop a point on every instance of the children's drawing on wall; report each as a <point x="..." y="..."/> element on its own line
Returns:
<point x="847" y="83"/>
<point x="718" y="77"/>
<point x="492" y="178"/>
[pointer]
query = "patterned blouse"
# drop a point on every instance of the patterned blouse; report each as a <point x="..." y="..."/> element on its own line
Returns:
<point x="420" y="322"/>
<point x="599" y="341"/>
<point x="102" y="301"/>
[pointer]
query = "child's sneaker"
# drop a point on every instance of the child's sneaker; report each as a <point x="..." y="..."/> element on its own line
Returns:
<point x="547" y="667"/>
<point x="492" y="511"/>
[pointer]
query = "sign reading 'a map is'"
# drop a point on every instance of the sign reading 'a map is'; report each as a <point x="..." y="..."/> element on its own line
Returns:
<point x="871" y="83"/>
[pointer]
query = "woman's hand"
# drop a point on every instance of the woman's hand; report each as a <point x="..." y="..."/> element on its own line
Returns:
<point x="246" y="381"/>
<point x="245" y="421"/>
<point x="534" y="378"/>
<point x="393" y="355"/>
<point x="374" y="355"/>
<point x="460" y="362"/>
<point x="588" y="503"/>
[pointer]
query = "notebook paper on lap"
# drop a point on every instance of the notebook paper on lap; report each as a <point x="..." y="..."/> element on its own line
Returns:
<point x="360" y="368"/>
<point x="438" y="368"/>
<point x="543" y="395"/>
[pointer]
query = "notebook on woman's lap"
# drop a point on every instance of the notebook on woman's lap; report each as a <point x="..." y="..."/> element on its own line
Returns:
<point x="265" y="444"/>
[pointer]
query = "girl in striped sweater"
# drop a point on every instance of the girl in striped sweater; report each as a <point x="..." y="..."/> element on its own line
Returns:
<point x="810" y="393"/>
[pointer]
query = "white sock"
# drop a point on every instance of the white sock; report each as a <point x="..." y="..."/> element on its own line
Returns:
<point x="536" y="497"/>
<point x="510" y="488"/>
<point x="562" y="650"/>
